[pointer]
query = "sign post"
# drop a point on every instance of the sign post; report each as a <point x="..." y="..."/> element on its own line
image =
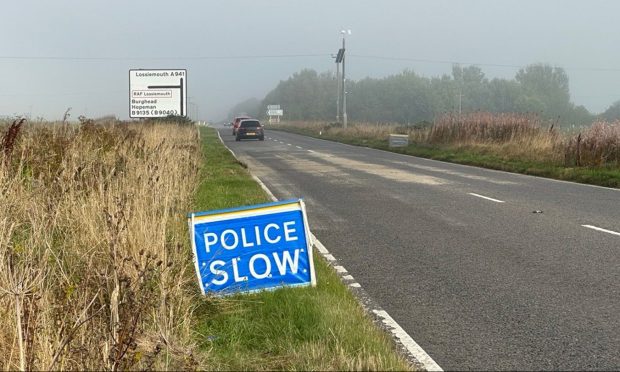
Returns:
<point x="157" y="93"/>
<point x="249" y="249"/>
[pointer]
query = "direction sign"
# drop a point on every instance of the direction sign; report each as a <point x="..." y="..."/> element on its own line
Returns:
<point x="157" y="93"/>
<point x="273" y="107"/>
<point x="275" y="112"/>
<point x="253" y="248"/>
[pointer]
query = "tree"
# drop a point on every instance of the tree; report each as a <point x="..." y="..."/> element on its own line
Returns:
<point x="249" y="107"/>
<point x="612" y="113"/>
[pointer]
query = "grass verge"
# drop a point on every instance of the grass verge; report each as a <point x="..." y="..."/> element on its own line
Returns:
<point x="479" y="156"/>
<point x="320" y="328"/>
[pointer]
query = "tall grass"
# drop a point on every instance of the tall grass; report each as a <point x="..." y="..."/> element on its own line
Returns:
<point x="483" y="127"/>
<point x="93" y="254"/>
<point x="509" y="136"/>
<point x="597" y="146"/>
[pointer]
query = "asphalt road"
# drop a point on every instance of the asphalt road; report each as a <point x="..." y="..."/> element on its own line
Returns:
<point x="457" y="255"/>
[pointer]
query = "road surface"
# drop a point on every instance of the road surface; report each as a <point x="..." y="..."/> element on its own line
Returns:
<point x="486" y="270"/>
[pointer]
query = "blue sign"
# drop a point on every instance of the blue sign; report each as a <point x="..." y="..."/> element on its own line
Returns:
<point x="253" y="248"/>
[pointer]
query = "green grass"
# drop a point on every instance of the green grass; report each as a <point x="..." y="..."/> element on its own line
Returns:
<point x="601" y="176"/>
<point x="320" y="328"/>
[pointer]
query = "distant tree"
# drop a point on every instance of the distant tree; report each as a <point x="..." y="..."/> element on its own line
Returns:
<point x="546" y="88"/>
<point x="250" y="107"/>
<point x="612" y="113"/>
<point x="410" y="98"/>
<point x="305" y="95"/>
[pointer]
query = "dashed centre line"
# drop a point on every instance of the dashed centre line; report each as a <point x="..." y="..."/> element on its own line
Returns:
<point x="299" y="147"/>
<point x="486" y="197"/>
<point x="602" y="230"/>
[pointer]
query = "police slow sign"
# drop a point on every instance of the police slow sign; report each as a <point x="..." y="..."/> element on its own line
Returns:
<point x="252" y="248"/>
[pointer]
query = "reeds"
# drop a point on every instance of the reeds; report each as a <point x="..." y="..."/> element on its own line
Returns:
<point x="93" y="254"/>
<point x="483" y="127"/>
<point x="596" y="146"/>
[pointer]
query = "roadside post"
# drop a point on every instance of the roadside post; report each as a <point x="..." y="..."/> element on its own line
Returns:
<point x="250" y="249"/>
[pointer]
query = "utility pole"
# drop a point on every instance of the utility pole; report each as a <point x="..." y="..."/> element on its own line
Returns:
<point x="338" y="94"/>
<point x="344" y="80"/>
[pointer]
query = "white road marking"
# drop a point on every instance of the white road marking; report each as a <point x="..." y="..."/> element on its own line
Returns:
<point x="329" y="257"/>
<point x="311" y="151"/>
<point x="299" y="147"/>
<point x="355" y="285"/>
<point x="602" y="230"/>
<point x="410" y="344"/>
<point x="486" y="197"/>
<point x="348" y="277"/>
<point x="340" y="269"/>
<point x="288" y="144"/>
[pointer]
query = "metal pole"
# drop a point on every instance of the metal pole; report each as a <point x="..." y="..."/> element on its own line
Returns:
<point x="344" y="87"/>
<point x="338" y="94"/>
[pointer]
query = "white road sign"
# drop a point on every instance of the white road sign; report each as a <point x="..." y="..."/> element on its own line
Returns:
<point x="157" y="93"/>
<point x="275" y="112"/>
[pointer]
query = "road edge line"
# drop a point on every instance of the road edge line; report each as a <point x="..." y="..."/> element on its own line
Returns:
<point x="412" y="351"/>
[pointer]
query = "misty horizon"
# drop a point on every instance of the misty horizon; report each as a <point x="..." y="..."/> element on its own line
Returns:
<point x="76" y="54"/>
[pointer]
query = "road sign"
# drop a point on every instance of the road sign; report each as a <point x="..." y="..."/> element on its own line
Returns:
<point x="252" y="248"/>
<point x="275" y="112"/>
<point x="273" y="107"/>
<point x="398" y="140"/>
<point x="157" y="93"/>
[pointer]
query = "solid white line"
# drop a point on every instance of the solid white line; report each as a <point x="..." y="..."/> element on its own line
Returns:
<point x="602" y="230"/>
<point x="410" y="344"/>
<point x="486" y="197"/>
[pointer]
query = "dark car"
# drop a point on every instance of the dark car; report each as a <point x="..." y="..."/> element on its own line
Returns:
<point x="250" y="128"/>
<point x="236" y="121"/>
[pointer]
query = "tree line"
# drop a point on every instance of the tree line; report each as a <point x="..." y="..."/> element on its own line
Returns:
<point x="410" y="98"/>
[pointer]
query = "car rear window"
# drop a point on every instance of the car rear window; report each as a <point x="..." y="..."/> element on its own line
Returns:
<point x="250" y="124"/>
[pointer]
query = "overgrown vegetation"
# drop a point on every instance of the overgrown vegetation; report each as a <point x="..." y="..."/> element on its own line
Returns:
<point x="96" y="270"/>
<point x="93" y="256"/>
<point x="523" y="143"/>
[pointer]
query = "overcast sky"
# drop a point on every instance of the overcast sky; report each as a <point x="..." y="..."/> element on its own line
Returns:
<point x="77" y="53"/>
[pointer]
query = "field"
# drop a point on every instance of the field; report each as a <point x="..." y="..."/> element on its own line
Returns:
<point x="520" y="143"/>
<point x="96" y="270"/>
<point x="93" y="256"/>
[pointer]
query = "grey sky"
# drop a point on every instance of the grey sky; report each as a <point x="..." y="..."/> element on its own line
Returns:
<point x="581" y="36"/>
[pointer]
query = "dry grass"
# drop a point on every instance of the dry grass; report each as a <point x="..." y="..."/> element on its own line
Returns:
<point x="93" y="251"/>
<point x="523" y="137"/>
<point x="598" y="145"/>
<point x="509" y="135"/>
